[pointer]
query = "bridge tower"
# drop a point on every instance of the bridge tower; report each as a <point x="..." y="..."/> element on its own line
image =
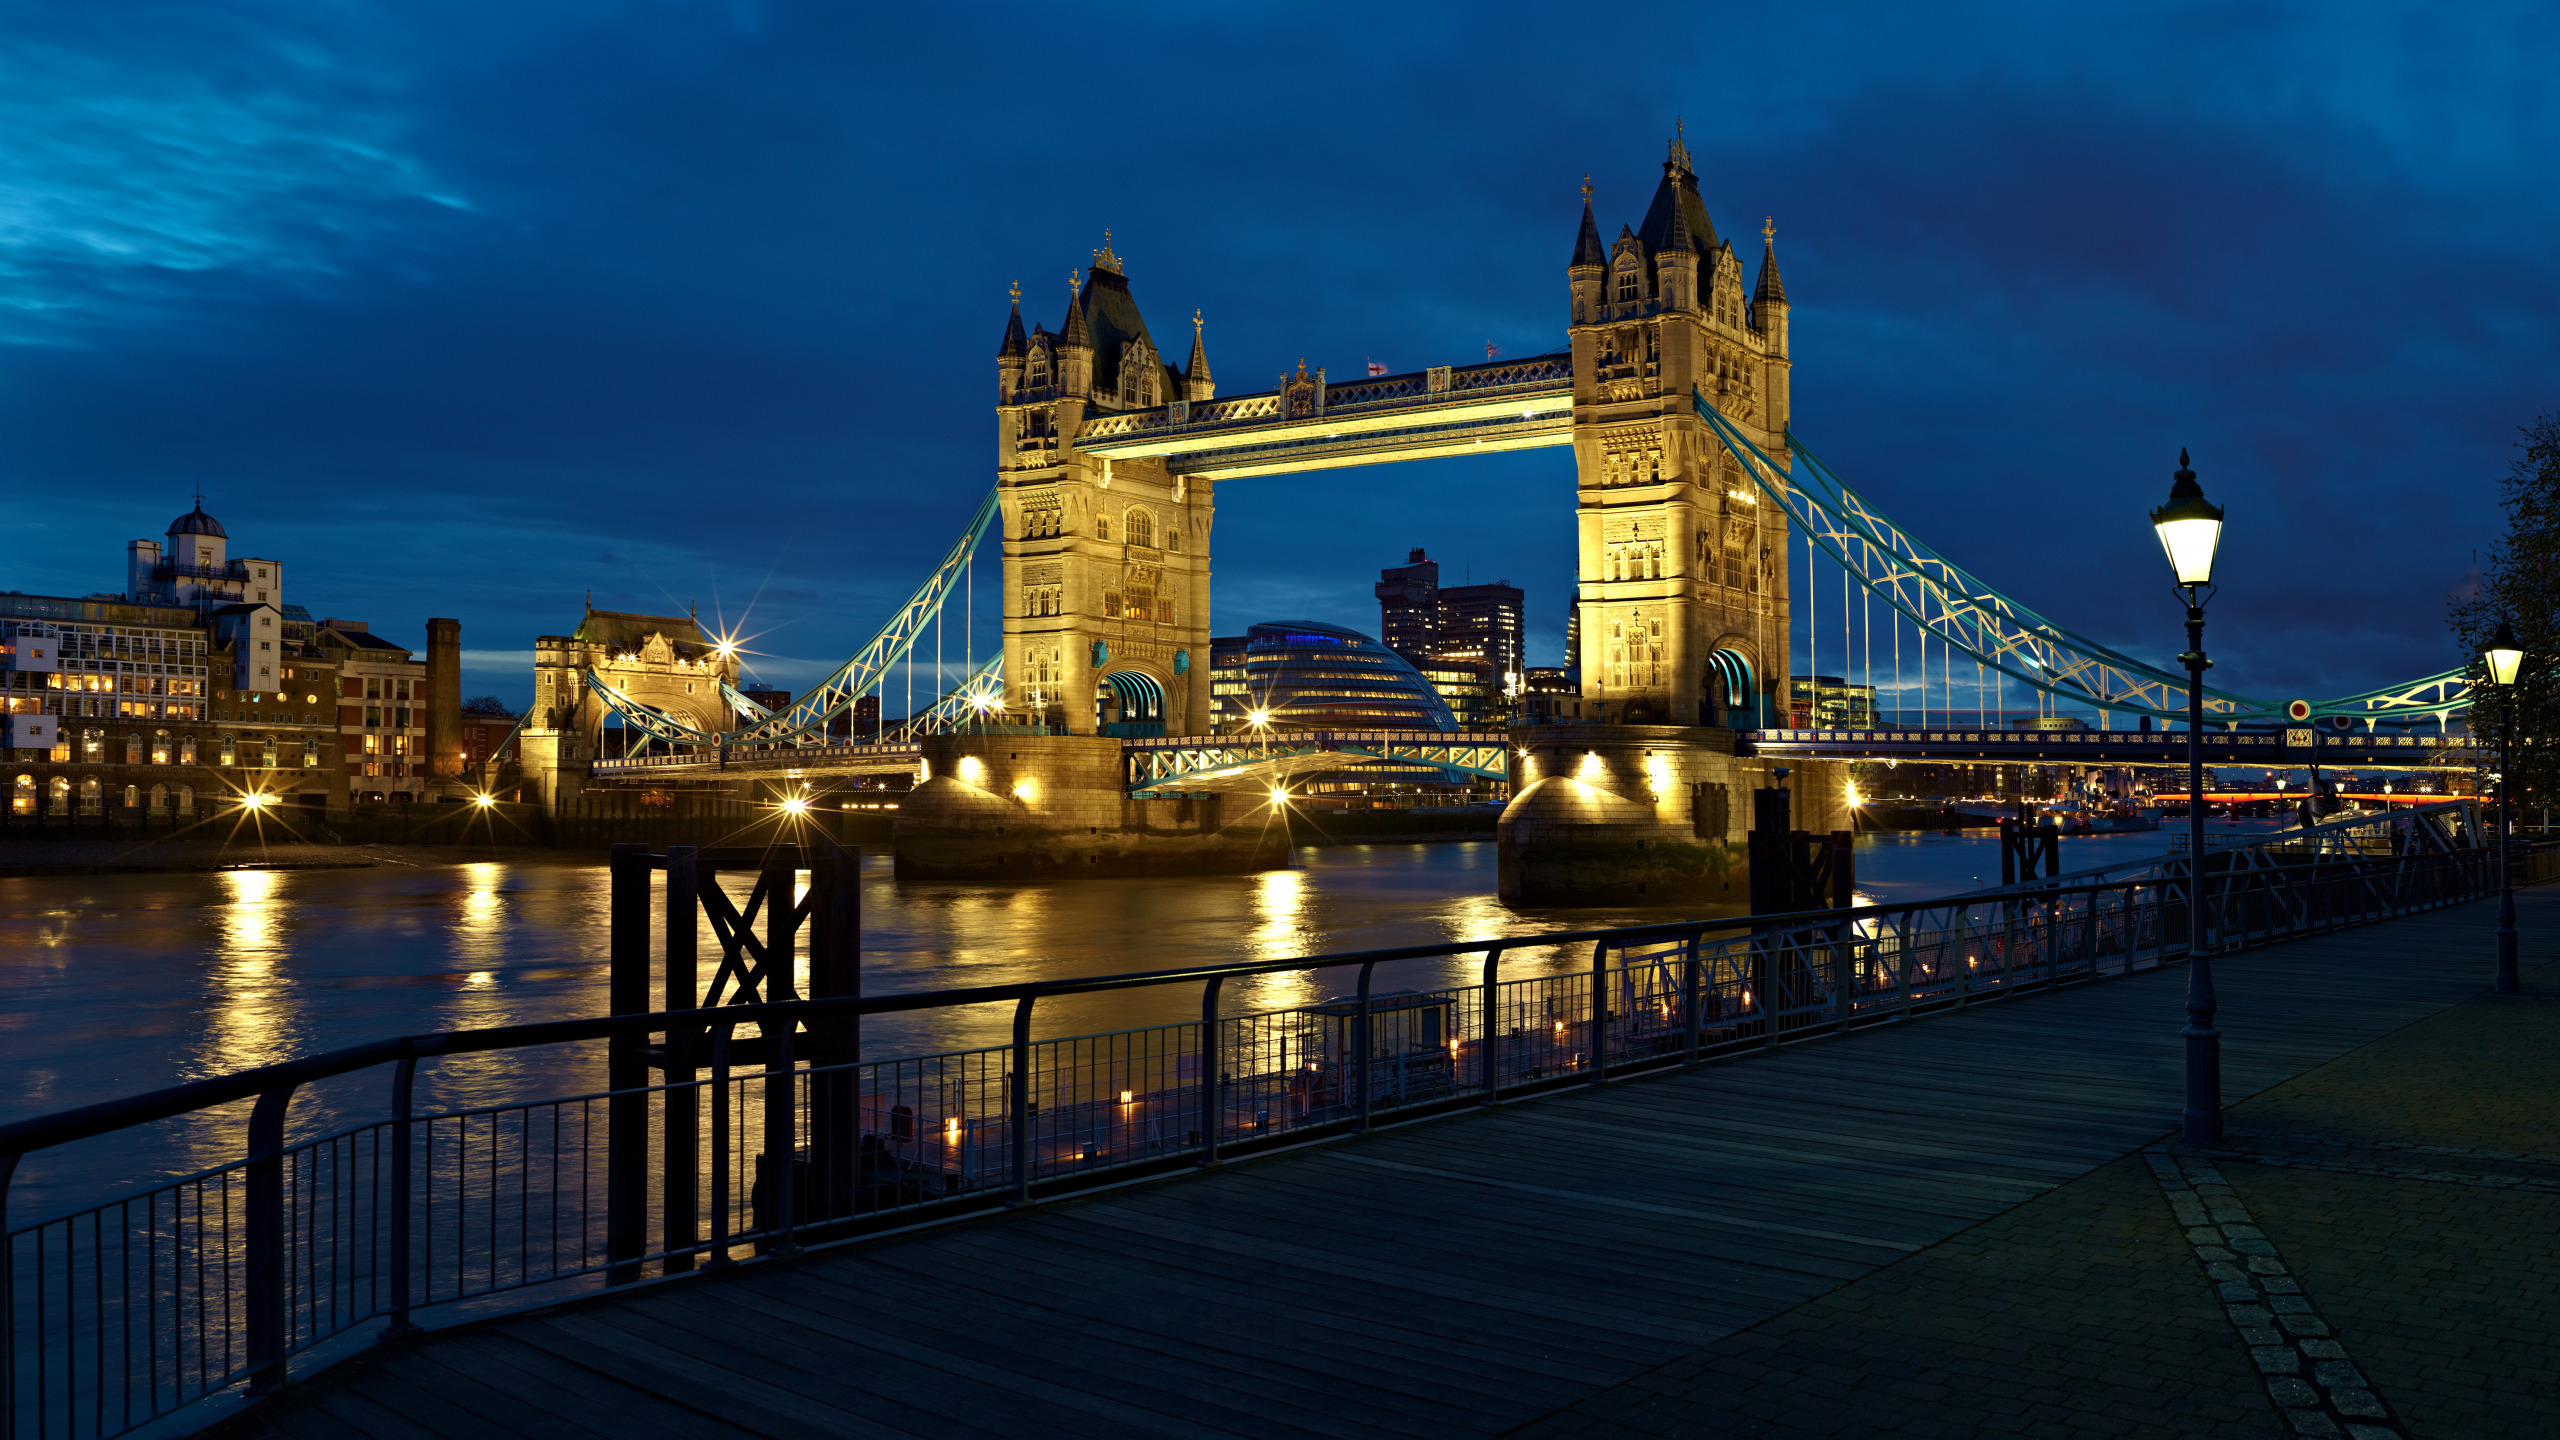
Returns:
<point x="1682" y="597"/>
<point x="1106" y="566"/>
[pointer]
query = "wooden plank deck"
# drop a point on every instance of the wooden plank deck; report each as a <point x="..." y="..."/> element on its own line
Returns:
<point x="1457" y="1277"/>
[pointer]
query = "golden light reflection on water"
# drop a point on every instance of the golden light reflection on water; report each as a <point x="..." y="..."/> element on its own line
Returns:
<point x="250" y="1007"/>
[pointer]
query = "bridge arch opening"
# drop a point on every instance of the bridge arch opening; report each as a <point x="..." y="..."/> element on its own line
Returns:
<point x="1129" y="703"/>
<point x="1730" y="692"/>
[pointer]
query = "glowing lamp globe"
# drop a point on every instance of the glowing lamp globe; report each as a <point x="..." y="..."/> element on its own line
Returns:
<point x="2503" y="656"/>
<point x="2190" y="528"/>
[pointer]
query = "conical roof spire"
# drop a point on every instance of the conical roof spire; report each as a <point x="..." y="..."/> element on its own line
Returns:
<point x="1075" y="332"/>
<point x="1770" y="287"/>
<point x="1586" y="245"/>
<point x="1015" y="345"/>
<point x="1197" y="368"/>
<point x="1678" y="240"/>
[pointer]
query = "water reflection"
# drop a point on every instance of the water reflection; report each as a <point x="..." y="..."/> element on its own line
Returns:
<point x="250" y="1006"/>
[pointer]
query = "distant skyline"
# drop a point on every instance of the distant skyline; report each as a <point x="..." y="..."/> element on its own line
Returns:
<point x="469" y="310"/>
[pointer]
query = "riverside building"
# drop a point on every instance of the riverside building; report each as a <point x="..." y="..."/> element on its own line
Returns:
<point x="194" y="688"/>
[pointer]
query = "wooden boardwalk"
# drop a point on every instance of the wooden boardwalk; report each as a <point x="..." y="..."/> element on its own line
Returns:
<point x="1455" y="1277"/>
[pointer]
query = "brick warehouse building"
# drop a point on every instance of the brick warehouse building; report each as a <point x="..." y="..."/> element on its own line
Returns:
<point x="198" y="686"/>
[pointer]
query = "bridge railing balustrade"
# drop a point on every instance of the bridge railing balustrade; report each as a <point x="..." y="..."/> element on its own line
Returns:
<point x="124" y="1311"/>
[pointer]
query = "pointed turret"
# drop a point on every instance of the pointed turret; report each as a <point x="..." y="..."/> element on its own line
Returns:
<point x="1586" y="243"/>
<point x="1015" y="346"/>
<point x="1196" y="381"/>
<point x="1075" y="344"/>
<point x="1771" y="288"/>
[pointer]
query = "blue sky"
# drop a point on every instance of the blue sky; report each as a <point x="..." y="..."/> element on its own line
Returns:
<point x="470" y="309"/>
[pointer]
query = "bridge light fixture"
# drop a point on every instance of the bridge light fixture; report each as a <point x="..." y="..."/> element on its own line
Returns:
<point x="2190" y="527"/>
<point x="795" y="804"/>
<point x="2505" y="660"/>
<point x="1279" y="794"/>
<point x="484" y="800"/>
<point x="1257" y="718"/>
<point x="2503" y="656"/>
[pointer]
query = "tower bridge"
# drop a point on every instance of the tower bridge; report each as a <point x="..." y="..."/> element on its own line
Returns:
<point x="1690" y="490"/>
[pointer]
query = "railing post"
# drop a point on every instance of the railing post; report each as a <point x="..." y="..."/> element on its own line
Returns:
<point x="680" y="1153"/>
<point x="1902" y="961"/>
<point x="1489" y="1038"/>
<point x="1844" y="975"/>
<point x="1019" y="1102"/>
<point x="1210" y="1077"/>
<point x="723" y="1162"/>
<point x="1691" y="1001"/>
<point x="1764" y="972"/>
<point x="1360" y="1045"/>
<point x="1600" y="1013"/>
<point x="781" y="1084"/>
<point x="265" y="1280"/>
<point x="626" y="1185"/>
<point x="404" y="1078"/>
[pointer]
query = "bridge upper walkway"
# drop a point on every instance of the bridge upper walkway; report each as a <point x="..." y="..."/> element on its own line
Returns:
<point x="1455" y="1276"/>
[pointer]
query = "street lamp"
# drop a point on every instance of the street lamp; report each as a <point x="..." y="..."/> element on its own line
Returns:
<point x="2190" y="529"/>
<point x="2504" y="658"/>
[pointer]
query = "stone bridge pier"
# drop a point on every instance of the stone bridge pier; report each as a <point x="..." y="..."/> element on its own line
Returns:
<point x="1644" y="815"/>
<point x="1054" y="807"/>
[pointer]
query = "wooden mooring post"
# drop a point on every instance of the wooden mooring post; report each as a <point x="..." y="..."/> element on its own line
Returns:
<point x="795" y="1185"/>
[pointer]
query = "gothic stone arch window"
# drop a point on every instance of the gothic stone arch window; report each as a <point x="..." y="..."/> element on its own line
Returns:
<point x="186" y="749"/>
<point x="1141" y="526"/>
<point x="229" y="750"/>
<point x="159" y="747"/>
<point x="186" y="799"/>
<point x="1138" y="375"/>
<point x="160" y="799"/>
<point x="1101" y="527"/>
<point x="61" y="794"/>
<point x="92" y="795"/>
<point x="93" y="746"/>
<point x="267" y="753"/>
<point x="22" y="796"/>
<point x="1036" y="374"/>
<point x="1630" y="286"/>
<point x="311" y="754"/>
<point x="133" y="747"/>
<point x="133" y="797"/>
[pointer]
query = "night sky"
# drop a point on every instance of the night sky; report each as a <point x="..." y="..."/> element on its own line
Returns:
<point x="469" y="309"/>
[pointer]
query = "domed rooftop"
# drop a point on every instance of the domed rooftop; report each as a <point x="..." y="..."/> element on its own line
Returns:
<point x="196" y="522"/>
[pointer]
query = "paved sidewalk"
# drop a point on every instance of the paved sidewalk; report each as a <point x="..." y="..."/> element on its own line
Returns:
<point x="2408" y="1196"/>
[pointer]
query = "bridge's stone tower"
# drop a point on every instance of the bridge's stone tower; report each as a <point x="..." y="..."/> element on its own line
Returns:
<point x="1106" y="567"/>
<point x="1682" y="603"/>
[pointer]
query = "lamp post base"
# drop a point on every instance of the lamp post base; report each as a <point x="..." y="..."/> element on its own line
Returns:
<point x="2203" y="1119"/>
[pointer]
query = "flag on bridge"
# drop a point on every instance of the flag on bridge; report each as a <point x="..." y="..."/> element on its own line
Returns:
<point x="1489" y="350"/>
<point x="1376" y="368"/>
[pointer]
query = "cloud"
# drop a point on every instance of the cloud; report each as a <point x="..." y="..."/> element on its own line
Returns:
<point x="124" y="179"/>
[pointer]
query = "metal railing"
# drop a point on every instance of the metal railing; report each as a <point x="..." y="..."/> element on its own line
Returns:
<point x="124" y="1311"/>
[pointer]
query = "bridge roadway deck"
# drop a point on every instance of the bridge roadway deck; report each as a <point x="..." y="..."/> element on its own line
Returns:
<point x="1453" y="1277"/>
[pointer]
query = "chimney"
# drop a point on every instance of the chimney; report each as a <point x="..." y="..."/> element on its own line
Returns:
<point x="445" y="760"/>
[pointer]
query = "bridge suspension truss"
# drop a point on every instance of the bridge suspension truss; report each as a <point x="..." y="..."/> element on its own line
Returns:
<point x="979" y="694"/>
<point x="1882" y="561"/>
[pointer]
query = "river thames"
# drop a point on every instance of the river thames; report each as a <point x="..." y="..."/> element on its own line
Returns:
<point x="122" y="984"/>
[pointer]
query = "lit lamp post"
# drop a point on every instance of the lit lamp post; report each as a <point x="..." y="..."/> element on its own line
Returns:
<point x="2190" y="527"/>
<point x="2504" y="659"/>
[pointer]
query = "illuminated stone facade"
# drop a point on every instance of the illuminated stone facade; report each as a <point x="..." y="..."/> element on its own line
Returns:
<point x="1106" y="567"/>
<point x="1683" y="566"/>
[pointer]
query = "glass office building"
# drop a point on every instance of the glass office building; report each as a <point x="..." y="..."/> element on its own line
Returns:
<point x="1299" y="675"/>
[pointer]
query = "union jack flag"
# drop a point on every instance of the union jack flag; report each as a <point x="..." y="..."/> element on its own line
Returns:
<point x="1377" y="368"/>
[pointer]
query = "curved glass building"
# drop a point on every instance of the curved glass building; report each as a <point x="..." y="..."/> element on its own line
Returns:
<point x="1300" y="675"/>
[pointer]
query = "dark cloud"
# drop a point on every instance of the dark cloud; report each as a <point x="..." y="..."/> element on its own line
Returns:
<point x="472" y="309"/>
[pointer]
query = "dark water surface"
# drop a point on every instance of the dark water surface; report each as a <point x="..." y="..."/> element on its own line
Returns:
<point x="115" y="985"/>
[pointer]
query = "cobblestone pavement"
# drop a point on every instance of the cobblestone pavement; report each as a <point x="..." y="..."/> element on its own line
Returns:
<point x="2398" y="1221"/>
<point x="2429" y="1234"/>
